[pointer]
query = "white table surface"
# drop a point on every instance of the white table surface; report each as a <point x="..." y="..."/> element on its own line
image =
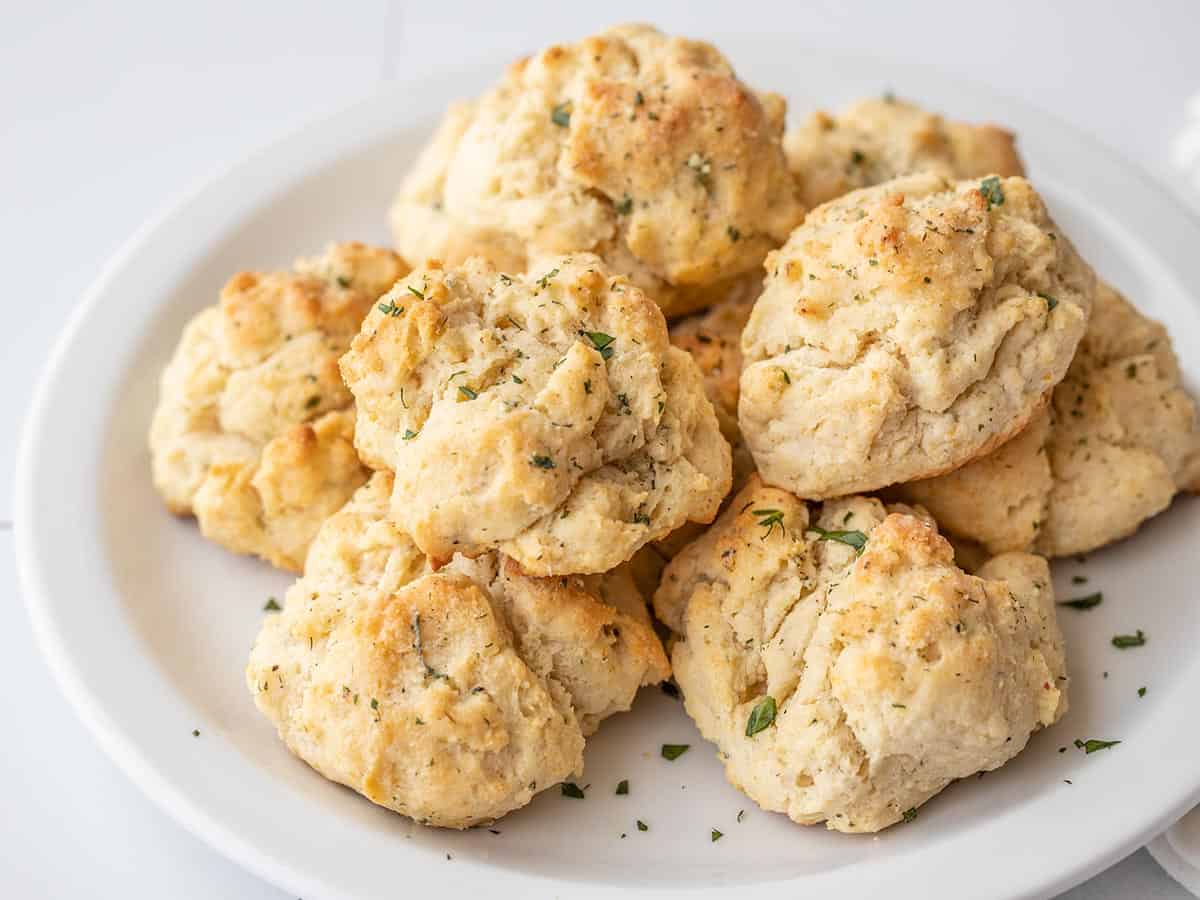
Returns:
<point x="109" y="111"/>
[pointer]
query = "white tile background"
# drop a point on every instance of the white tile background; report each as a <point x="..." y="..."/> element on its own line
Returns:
<point x="108" y="111"/>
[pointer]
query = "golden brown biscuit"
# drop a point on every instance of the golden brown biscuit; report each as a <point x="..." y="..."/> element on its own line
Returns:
<point x="845" y="667"/>
<point x="906" y="329"/>
<point x="451" y="697"/>
<point x="1118" y="442"/>
<point x="530" y="414"/>
<point x="876" y="140"/>
<point x="643" y="148"/>
<point x="253" y="431"/>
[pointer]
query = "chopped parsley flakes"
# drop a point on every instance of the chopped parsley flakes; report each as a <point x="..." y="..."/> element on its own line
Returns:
<point x="992" y="192"/>
<point x="909" y="814"/>
<point x="272" y="605"/>
<point x="561" y="114"/>
<point x="409" y="434"/>
<point x="1092" y="745"/>
<point x="466" y="392"/>
<point x="716" y="835"/>
<point x="572" y="790"/>
<point x="624" y="206"/>
<point x="762" y="716"/>
<point x="390" y="309"/>
<point x="622" y="787"/>
<point x="1050" y="301"/>
<point x="602" y="342"/>
<point x="1124" y="641"/>
<point x="674" y="751"/>
<point x="1087" y="602"/>
<point x="768" y="519"/>
<point x="542" y="462"/>
<point x="855" y="539"/>
<point x="642" y="826"/>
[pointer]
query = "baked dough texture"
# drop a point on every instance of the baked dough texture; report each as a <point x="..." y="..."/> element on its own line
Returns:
<point x="543" y="416"/>
<point x="451" y="696"/>
<point x="906" y="329"/>
<point x="1119" y="440"/>
<point x="892" y="673"/>
<point x="643" y="148"/>
<point x="878" y="139"/>
<point x="253" y="433"/>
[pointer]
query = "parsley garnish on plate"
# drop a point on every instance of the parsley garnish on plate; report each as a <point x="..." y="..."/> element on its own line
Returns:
<point x="909" y="814"/>
<point x="622" y="787"/>
<point x="1124" y="641"/>
<point x="642" y="826"/>
<point x="1092" y="745"/>
<point x="674" y="751"/>
<point x="762" y="717"/>
<point x="571" y="789"/>
<point x="1141" y="692"/>
<point x="716" y="835"/>
<point x="272" y="605"/>
<point x="855" y="539"/>
<point x="992" y="192"/>
<point x="1087" y="602"/>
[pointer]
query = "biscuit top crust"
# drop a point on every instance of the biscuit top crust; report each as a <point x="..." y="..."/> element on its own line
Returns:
<point x="252" y="432"/>
<point x="905" y="329"/>
<point x="1119" y="440"/>
<point x="641" y="147"/>
<point x="890" y="672"/>
<point x="449" y="696"/>
<point x="878" y="139"/>
<point x="521" y="413"/>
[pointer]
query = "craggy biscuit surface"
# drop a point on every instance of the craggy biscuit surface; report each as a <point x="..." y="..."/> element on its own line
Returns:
<point x="1118" y="441"/>
<point x="906" y="329"/>
<point x="850" y="687"/>
<point x="876" y="140"/>
<point x="643" y="148"/>
<point x="451" y="697"/>
<point x="253" y="433"/>
<point x="545" y="416"/>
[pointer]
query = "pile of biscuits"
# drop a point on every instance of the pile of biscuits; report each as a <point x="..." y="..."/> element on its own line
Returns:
<point x="658" y="354"/>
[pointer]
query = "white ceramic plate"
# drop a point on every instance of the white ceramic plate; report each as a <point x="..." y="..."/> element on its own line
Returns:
<point x="147" y="625"/>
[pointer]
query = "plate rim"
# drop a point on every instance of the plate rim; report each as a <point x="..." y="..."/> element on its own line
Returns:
<point x="90" y="706"/>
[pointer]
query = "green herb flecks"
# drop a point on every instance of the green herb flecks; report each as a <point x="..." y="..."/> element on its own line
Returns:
<point x="992" y="192"/>
<point x="1088" y="602"/>
<point x="466" y="393"/>
<point x="1141" y="692"/>
<point x="674" y="751"/>
<point x="541" y="462"/>
<point x="572" y="790"/>
<point x="420" y="295"/>
<point x="762" y="716"/>
<point x="855" y="539"/>
<point x="561" y="114"/>
<point x="1050" y="301"/>
<point x="909" y="814"/>
<point x="409" y="434"/>
<point x="642" y="826"/>
<point x="272" y="605"/>
<point x="544" y="281"/>
<point x="716" y="835"/>
<point x="622" y="787"/>
<point x="1092" y="745"/>
<point x="602" y="342"/>
<point x="768" y="519"/>
<point x="624" y="206"/>
<point x="1125" y="641"/>
<point x="390" y="309"/>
